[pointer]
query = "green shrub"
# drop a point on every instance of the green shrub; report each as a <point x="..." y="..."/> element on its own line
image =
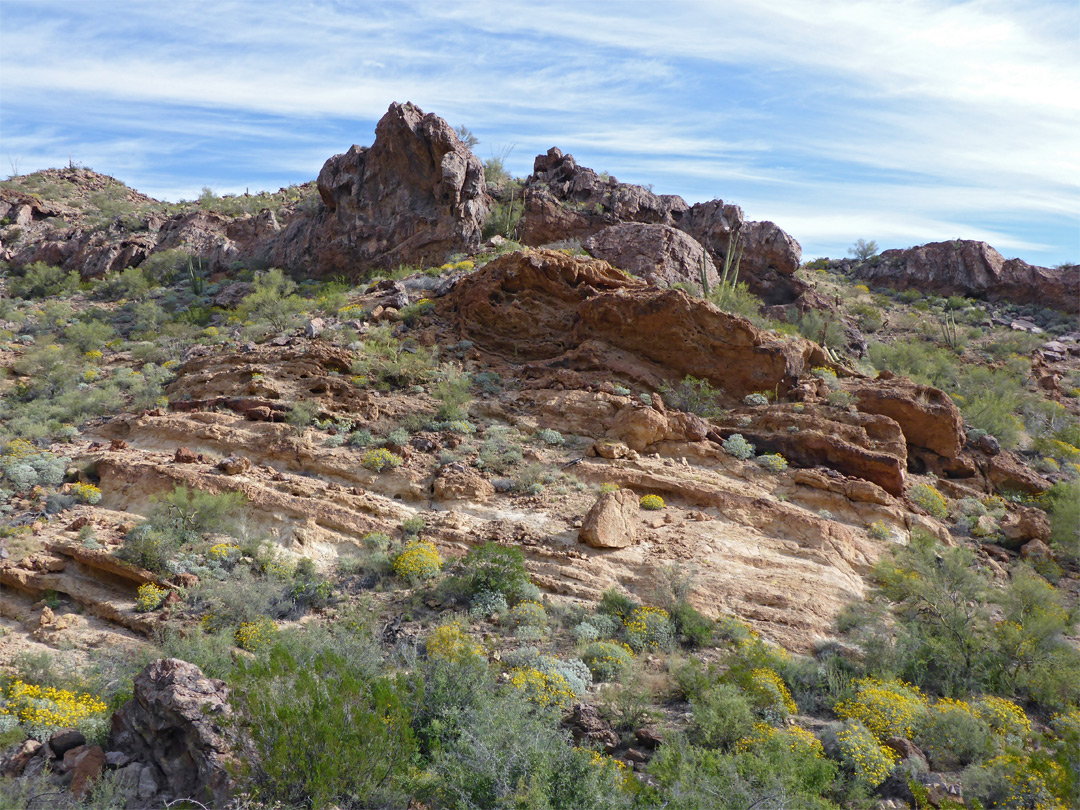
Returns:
<point x="273" y="301"/>
<point x="453" y="395"/>
<point x="651" y="503"/>
<point x="494" y="568"/>
<point x="355" y="730"/>
<point x="693" y="395"/>
<point x="929" y="499"/>
<point x="40" y="280"/>
<point x="608" y="660"/>
<point x="952" y="735"/>
<point x="722" y="716"/>
<point x="528" y="614"/>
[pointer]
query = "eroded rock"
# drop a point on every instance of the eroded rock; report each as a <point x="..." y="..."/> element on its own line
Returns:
<point x="612" y="522"/>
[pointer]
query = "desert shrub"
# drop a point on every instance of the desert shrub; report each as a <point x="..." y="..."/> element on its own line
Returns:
<point x="773" y="462"/>
<point x="417" y="561"/>
<point x="757" y="399"/>
<point x="825" y="329"/>
<point x="150" y="597"/>
<point x="273" y="301"/>
<point x="608" y="660"/>
<point x="381" y="459"/>
<point x="494" y="568"/>
<point x="879" y="531"/>
<point x="528" y="614"/>
<point x="41" y="711"/>
<point x="693" y="395"/>
<point x="1005" y="719"/>
<point x="739" y="447"/>
<point x="770" y="695"/>
<point x="737" y="299"/>
<point x="386" y="362"/>
<point x="89" y="336"/>
<point x="692" y="628"/>
<point x="40" y="280"/>
<point x="651" y="503"/>
<point x="487" y="603"/>
<point x="649" y="628"/>
<point x="450" y="641"/>
<point x="929" y="499"/>
<point x="1017" y="780"/>
<point x="616" y="605"/>
<point x="722" y="716"/>
<point x="886" y="708"/>
<point x="551" y="437"/>
<point x="256" y="636"/>
<point x="453" y="395"/>
<point x="354" y="729"/>
<point x="544" y="688"/>
<point x="511" y="753"/>
<point x="951" y="734"/>
<point x="585" y="632"/>
<point x="1064" y="501"/>
<point x="867" y="760"/>
<point x="85" y="493"/>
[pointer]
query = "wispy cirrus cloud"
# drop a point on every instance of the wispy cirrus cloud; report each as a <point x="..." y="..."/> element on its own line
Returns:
<point x="902" y="121"/>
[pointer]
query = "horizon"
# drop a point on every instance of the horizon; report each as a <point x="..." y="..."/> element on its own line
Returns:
<point x="906" y="123"/>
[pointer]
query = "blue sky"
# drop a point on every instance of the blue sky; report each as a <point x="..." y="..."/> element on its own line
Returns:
<point x="905" y="122"/>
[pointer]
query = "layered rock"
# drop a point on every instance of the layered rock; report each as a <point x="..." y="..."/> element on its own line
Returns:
<point x="928" y="416"/>
<point x="546" y="306"/>
<point x="974" y="269"/>
<point x="415" y="196"/>
<point x="566" y="201"/>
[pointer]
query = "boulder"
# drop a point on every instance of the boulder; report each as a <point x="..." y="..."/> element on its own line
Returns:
<point x="66" y="739"/>
<point x="589" y="729"/>
<point x="15" y="763"/>
<point x="177" y="725"/>
<point x="612" y="522"/>
<point x="413" y="197"/>
<point x="84" y="769"/>
<point x="234" y="465"/>
<point x="660" y="254"/>
<point x="455" y="482"/>
<point x="974" y="269"/>
<point x="928" y="417"/>
<point x="1025" y="523"/>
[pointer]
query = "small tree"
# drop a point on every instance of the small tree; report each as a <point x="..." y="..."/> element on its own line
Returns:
<point x="863" y="250"/>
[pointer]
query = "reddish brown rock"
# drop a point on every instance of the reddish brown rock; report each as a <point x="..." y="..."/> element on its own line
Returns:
<point x="1026" y="523"/>
<point x="660" y="254"/>
<point x="85" y="769"/>
<point x="612" y="522"/>
<point x="415" y="196"/>
<point x="965" y="267"/>
<point x="185" y="456"/>
<point x="566" y="201"/>
<point x="928" y="417"/>
<point x="455" y="482"/>
<point x="16" y="762"/>
<point x="1007" y="473"/>
<point x="588" y="728"/>
<point x="866" y="446"/>
<point x="571" y="312"/>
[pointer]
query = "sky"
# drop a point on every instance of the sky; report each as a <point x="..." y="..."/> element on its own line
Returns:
<point x="900" y="121"/>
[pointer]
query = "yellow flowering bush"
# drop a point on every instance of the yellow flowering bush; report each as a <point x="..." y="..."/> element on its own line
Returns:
<point x="773" y="462"/>
<point x="928" y="498"/>
<point x="797" y="739"/>
<point x="544" y="688"/>
<point x="1025" y="781"/>
<point x="652" y="503"/>
<point x="224" y="554"/>
<point x="85" y="493"/>
<point x="607" y="660"/>
<point x="886" y="708"/>
<point x="150" y="597"/>
<point x="464" y="265"/>
<point x="528" y="614"/>
<point x="649" y="628"/>
<point x="868" y="760"/>
<point x="952" y="734"/>
<point x="350" y="311"/>
<point x="90" y="375"/>
<point x="94" y="354"/>
<point x="879" y="530"/>
<point x="768" y="690"/>
<point x="255" y="636"/>
<point x="608" y="487"/>
<point x="1004" y="717"/>
<point x="418" y="561"/>
<point x="42" y="711"/>
<point x="450" y="642"/>
<point x="380" y="459"/>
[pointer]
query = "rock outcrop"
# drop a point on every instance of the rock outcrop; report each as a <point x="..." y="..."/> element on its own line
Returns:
<point x="415" y="196"/>
<point x="657" y="253"/>
<point x="176" y="722"/>
<point x="974" y="269"/>
<point x="544" y="306"/>
<point x="566" y="201"/>
<point x="928" y="416"/>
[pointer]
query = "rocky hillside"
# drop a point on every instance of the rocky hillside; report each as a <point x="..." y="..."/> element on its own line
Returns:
<point x="560" y="494"/>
